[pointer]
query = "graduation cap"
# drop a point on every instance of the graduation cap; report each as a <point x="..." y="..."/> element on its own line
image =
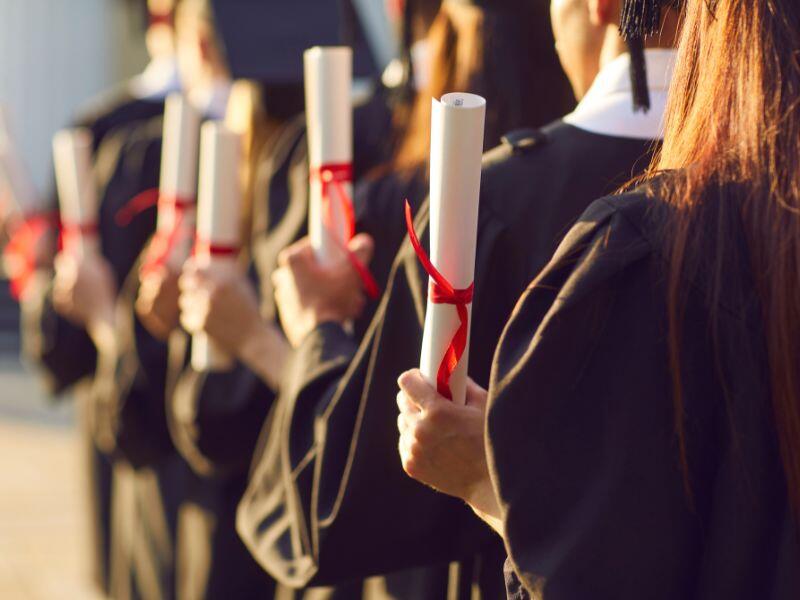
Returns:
<point x="639" y="19"/>
<point x="264" y="40"/>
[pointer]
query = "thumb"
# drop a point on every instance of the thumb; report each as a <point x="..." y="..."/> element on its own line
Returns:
<point x="417" y="389"/>
<point x="362" y="246"/>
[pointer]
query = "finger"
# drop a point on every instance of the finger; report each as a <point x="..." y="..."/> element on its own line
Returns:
<point x="405" y="405"/>
<point x="363" y="246"/>
<point x="292" y="251"/>
<point x="476" y="395"/>
<point x="418" y="390"/>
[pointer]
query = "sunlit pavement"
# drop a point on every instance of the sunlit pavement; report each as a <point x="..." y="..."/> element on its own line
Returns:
<point x="43" y="529"/>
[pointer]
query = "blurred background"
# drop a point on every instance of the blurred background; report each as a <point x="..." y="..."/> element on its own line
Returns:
<point x="55" y="55"/>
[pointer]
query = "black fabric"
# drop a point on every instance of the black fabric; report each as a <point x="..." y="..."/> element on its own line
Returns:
<point x="581" y="431"/>
<point x="264" y="40"/>
<point x="130" y="419"/>
<point x="327" y="498"/>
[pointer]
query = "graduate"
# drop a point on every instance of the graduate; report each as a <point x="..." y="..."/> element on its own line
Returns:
<point x="94" y="296"/>
<point x="337" y="461"/>
<point x="63" y="353"/>
<point x="215" y="416"/>
<point x="641" y="429"/>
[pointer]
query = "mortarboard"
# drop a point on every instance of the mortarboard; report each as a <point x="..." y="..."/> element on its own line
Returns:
<point x="264" y="40"/>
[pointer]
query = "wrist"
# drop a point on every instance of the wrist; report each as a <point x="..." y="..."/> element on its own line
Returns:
<point x="482" y="499"/>
<point x="101" y="329"/>
<point x="264" y="351"/>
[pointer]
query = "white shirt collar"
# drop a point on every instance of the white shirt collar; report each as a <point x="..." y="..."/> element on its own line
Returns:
<point x="159" y="79"/>
<point x="607" y="108"/>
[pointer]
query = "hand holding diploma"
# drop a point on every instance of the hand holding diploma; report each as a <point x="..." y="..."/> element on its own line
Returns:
<point x="456" y="150"/>
<point x="157" y="300"/>
<point x="329" y="118"/>
<point x="84" y="289"/>
<point x="218" y="228"/>
<point x="31" y="232"/>
<point x="308" y="292"/>
<point x="442" y="443"/>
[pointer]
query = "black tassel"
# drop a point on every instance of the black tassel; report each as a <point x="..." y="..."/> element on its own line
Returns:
<point x="639" y="88"/>
<point x="640" y="18"/>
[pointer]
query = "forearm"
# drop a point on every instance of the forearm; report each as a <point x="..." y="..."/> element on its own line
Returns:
<point x="265" y="353"/>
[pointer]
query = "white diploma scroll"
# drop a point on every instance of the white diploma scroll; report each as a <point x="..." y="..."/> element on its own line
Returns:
<point x="178" y="184"/>
<point x="77" y="194"/>
<point x="457" y="123"/>
<point x="218" y="222"/>
<point x="329" y="120"/>
<point x="14" y="174"/>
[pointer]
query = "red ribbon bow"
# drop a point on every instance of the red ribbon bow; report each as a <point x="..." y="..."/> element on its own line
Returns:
<point x="442" y="291"/>
<point x="334" y="176"/>
<point x="20" y="251"/>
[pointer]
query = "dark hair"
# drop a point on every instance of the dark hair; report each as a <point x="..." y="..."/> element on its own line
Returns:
<point x="733" y="122"/>
<point x="506" y="56"/>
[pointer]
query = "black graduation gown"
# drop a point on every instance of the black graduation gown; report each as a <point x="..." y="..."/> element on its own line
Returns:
<point x="328" y="499"/>
<point x="125" y="404"/>
<point x="581" y="429"/>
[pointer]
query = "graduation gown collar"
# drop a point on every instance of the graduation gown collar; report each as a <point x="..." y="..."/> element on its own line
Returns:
<point x="607" y="108"/>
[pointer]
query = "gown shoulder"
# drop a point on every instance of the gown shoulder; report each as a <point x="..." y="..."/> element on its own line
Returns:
<point x="581" y="429"/>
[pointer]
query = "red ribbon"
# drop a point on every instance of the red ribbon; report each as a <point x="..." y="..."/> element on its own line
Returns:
<point x="442" y="291"/>
<point x="161" y="18"/>
<point x="333" y="177"/>
<point x="202" y="246"/>
<point x="72" y="232"/>
<point x="20" y="251"/>
<point x="164" y="240"/>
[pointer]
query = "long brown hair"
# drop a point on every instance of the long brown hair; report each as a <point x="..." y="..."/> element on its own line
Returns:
<point x="509" y="58"/>
<point x="733" y="123"/>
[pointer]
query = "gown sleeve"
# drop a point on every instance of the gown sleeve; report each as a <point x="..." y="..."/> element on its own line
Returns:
<point x="216" y="417"/>
<point x="61" y="352"/>
<point x="581" y="426"/>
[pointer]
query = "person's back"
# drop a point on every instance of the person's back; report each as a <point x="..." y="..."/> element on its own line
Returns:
<point x="643" y="412"/>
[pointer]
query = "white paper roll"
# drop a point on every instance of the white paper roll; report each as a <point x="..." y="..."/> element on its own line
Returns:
<point x="14" y="174"/>
<point x="178" y="182"/>
<point x="329" y="120"/>
<point x="77" y="195"/>
<point x="219" y="208"/>
<point x="456" y="149"/>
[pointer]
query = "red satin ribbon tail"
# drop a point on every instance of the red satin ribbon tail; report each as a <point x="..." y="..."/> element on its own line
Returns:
<point x="135" y="206"/>
<point x="335" y="176"/>
<point x="442" y="292"/>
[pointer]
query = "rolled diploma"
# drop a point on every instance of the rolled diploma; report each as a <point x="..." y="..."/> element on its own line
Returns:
<point x="77" y="195"/>
<point x="456" y="149"/>
<point x="14" y="173"/>
<point x="178" y="172"/>
<point x="218" y="213"/>
<point x="329" y="121"/>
